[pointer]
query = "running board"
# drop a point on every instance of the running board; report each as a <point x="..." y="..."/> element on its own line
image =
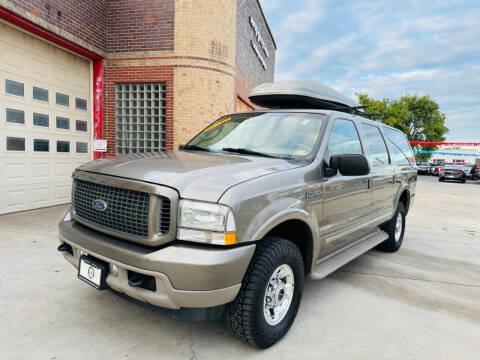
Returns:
<point x="343" y="256"/>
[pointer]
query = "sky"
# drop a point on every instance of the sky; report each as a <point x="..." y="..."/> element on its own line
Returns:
<point x="386" y="49"/>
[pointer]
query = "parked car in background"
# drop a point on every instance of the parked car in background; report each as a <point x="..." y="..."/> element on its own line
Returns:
<point x="472" y="171"/>
<point x="439" y="167"/>
<point x="424" y="168"/>
<point x="452" y="172"/>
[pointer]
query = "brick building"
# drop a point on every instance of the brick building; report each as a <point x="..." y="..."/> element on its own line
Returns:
<point x="144" y="75"/>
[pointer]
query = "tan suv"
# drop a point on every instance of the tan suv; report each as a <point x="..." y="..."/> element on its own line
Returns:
<point x="233" y="221"/>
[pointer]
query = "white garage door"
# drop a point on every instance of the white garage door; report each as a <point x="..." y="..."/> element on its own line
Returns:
<point x="45" y="126"/>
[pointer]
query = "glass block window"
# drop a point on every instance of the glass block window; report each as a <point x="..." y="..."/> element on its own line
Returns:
<point x="63" y="146"/>
<point x="80" y="125"/>
<point x="15" y="116"/>
<point x="40" y="120"/>
<point x="14" y="88"/>
<point x="62" y="99"/>
<point x="41" y="145"/>
<point x="63" y="123"/>
<point x="15" y="144"/>
<point x="81" y="147"/>
<point x="80" y="104"/>
<point x="40" y="94"/>
<point x="140" y="118"/>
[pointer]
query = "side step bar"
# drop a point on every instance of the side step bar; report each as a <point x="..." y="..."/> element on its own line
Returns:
<point x="343" y="256"/>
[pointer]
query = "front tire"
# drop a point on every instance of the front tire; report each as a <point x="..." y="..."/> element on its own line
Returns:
<point x="268" y="301"/>
<point x="395" y="228"/>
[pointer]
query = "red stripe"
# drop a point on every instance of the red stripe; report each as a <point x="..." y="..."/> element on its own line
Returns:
<point x="98" y="104"/>
<point x="432" y="143"/>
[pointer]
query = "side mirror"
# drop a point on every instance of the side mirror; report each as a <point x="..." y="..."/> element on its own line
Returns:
<point x="350" y="164"/>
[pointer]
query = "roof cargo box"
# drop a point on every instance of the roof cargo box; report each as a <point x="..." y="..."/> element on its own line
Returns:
<point x="302" y="94"/>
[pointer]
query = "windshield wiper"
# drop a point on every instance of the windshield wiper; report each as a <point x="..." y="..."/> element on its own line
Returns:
<point x="249" y="152"/>
<point x="194" y="148"/>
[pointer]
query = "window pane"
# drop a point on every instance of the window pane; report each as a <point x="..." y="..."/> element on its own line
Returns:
<point x="81" y="104"/>
<point x="402" y="153"/>
<point x="63" y="123"/>
<point x="62" y="99"/>
<point x="376" y="145"/>
<point x="40" y="94"/>
<point x="63" y="146"/>
<point x="343" y="139"/>
<point x="140" y="118"/>
<point x="14" y="87"/>
<point x="15" y="144"/>
<point x="40" y="120"/>
<point x="41" y="145"/>
<point x="81" y="125"/>
<point x="15" y="116"/>
<point x="82" y="147"/>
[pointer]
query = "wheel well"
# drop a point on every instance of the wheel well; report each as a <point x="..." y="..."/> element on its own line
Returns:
<point x="298" y="232"/>
<point x="405" y="199"/>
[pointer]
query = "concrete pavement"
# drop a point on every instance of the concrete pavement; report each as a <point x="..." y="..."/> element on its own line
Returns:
<point x="422" y="302"/>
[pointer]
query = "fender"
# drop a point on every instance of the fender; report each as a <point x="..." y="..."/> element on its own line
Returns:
<point x="404" y="187"/>
<point x="288" y="214"/>
<point x="281" y="217"/>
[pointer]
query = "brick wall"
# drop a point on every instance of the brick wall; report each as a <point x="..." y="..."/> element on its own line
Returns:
<point x="251" y="71"/>
<point x="84" y="19"/>
<point x="205" y="88"/>
<point x="146" y="25"/>
<point x="135" y="74"/>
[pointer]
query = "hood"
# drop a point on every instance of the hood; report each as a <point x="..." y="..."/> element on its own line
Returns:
<point x="195" y="175"/>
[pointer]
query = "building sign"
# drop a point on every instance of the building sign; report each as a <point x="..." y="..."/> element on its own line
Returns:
<point x="100" y="145"/>
<point x="261" y="42"/>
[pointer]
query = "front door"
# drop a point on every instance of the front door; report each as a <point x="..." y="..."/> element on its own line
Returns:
<point x="346" y="198"/>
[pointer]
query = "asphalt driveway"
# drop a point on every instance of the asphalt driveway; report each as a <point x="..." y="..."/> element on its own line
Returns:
<point x="421" y="303"/>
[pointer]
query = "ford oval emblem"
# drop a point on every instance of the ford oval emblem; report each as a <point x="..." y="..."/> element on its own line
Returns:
<point x="99" y="205"/>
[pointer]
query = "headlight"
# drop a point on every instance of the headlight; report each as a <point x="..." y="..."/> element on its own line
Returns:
<point x="206" y="222"/>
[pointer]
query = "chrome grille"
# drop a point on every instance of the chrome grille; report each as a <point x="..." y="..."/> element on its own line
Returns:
<point x="126" y="211"/>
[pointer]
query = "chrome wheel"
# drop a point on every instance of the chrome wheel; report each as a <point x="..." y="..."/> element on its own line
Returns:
<point x="278" y="294"/>
<point x="398" y="227"/>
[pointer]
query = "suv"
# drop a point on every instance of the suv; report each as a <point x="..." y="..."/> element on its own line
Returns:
<point x="233" y="221"/>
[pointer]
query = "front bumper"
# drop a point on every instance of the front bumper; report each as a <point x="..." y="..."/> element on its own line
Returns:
<point x="186" y="276"/>
<point x="452" y="176"/>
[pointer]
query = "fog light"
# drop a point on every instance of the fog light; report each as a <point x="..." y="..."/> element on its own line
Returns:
<point x="113" y="269"/>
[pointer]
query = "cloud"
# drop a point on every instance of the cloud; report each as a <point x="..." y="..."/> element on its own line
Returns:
<point x="386" y="48"/>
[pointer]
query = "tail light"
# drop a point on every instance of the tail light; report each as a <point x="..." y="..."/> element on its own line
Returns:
<point x="460" y="171"/>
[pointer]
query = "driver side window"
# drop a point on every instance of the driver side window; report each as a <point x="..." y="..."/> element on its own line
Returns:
<point x="343" y="139"/>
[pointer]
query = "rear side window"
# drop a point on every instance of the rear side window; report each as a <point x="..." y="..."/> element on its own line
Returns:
<point x="402" y="153"/>
<point x="377" y="149"/>
<point x="343" y="139"/>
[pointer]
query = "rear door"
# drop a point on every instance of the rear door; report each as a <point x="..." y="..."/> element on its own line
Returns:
<point x="346" y="197"/>
<point x="381" y="171"/>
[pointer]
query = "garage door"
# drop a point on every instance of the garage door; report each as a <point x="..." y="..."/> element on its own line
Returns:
<point x="45" y="127"/>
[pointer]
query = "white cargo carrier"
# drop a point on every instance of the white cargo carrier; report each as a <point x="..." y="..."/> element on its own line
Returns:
<point x="303" y="94"/>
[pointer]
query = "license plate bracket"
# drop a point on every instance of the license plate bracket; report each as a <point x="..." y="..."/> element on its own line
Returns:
<point x="92" y="271"/>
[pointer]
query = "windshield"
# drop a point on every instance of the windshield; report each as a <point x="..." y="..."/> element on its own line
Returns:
<point x="275" y="134"/>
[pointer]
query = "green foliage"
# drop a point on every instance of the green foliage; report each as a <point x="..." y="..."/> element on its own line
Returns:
<point x="417" y="116"/>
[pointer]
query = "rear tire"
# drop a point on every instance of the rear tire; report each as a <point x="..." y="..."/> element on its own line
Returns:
<point x="440" y="179"/>
<point x="395" y="228"/>
<point x="249" y="316"/>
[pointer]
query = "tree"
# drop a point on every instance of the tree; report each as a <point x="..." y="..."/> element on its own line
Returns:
<point x="417" y="116"/>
